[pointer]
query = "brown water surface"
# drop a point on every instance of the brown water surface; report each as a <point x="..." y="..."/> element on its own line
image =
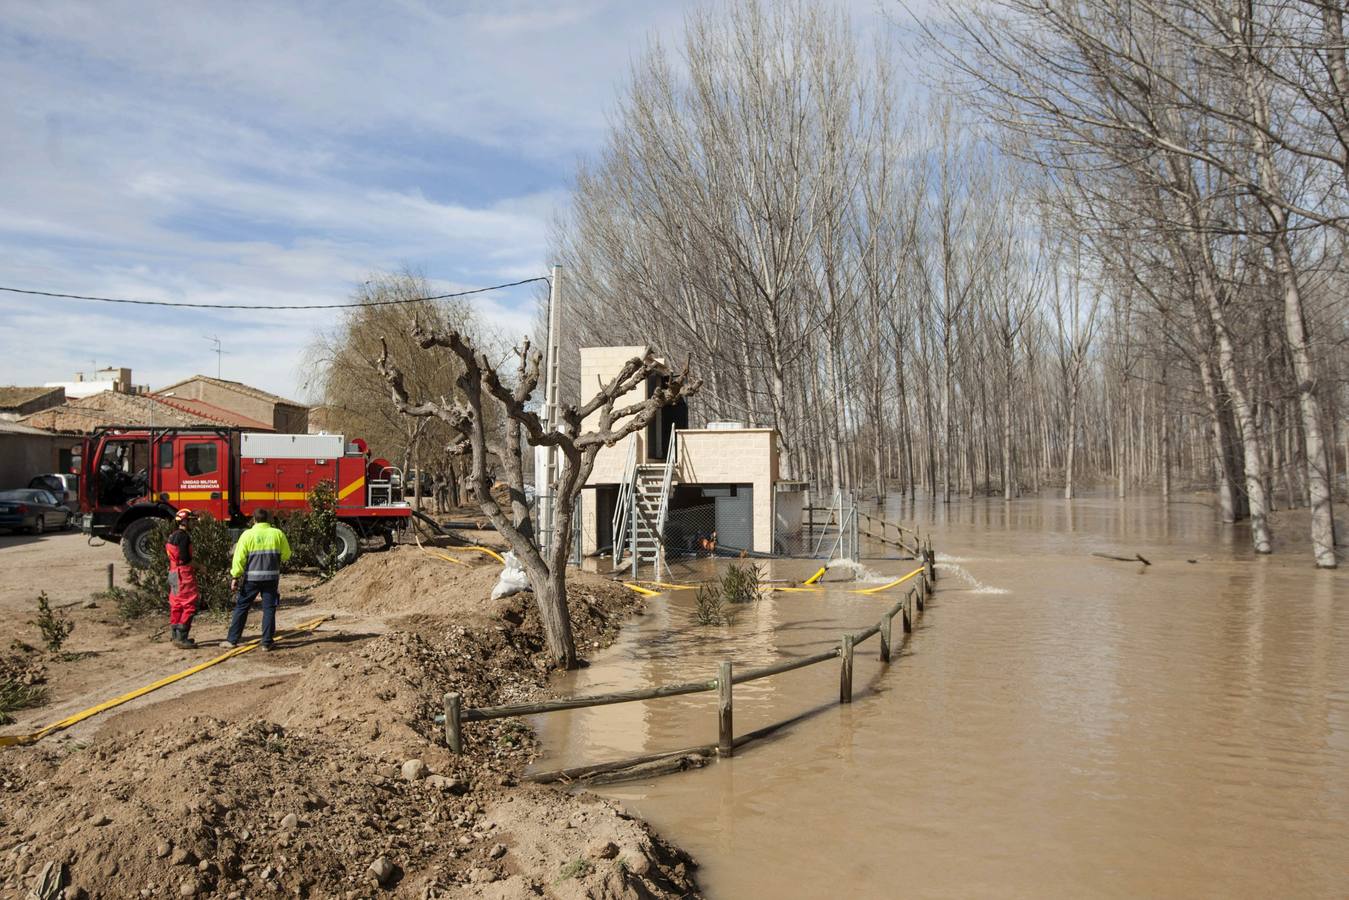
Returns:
<point x="1057" y="725"/>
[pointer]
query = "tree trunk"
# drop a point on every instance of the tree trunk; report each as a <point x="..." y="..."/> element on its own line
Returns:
<point x="1317" y="474"/>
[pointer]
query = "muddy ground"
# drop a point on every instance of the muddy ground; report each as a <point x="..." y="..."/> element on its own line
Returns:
<point x="314" y="771"/>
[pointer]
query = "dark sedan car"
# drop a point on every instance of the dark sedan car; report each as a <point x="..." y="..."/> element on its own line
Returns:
<point x="33" y="511"/>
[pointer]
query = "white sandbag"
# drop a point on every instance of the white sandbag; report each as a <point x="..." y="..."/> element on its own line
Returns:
<point x="513" y="579"/>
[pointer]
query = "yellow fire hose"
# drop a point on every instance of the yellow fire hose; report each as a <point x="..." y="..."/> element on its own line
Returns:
<point x="488" y="550"/>
<point x="10" y="740"/>
<point x="897" y="581"/>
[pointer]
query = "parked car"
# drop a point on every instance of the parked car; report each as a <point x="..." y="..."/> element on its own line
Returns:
<point x="66" y="488"/>
<point x="33" y="511"/>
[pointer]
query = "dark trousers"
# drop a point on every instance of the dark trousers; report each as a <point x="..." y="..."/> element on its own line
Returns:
<point x="243" y="601"/>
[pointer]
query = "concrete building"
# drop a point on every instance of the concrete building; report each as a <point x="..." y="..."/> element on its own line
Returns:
<point x="110" y="379"/>
<point x="17" y="401"/>
<point x="83" y="415"/>
<point x="268" y="410"/>
<point x="26" y="452"/>
<point x="724" y="484"/>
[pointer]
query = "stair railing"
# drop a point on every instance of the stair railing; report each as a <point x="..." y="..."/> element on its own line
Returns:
<point x="627" y="497"/>
<point x="663" y="514"/>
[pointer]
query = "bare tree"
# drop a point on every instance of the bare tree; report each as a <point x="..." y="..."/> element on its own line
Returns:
<point x="583" y="430"/>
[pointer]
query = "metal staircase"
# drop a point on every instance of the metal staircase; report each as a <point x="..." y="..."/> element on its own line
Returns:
<point x="642" y="510"/>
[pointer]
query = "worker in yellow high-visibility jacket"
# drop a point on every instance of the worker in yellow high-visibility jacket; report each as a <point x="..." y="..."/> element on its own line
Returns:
<point x="256" y="571"/>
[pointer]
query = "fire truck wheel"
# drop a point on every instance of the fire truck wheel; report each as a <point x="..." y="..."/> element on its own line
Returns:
<point x="136" y="543"/>
<point x="348" y="544"/>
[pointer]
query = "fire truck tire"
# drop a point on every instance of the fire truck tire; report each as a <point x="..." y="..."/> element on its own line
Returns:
<point x="136" y="542"/>
<point x="348" y="544"/>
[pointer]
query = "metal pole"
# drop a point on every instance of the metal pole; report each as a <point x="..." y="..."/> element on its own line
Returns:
<point x="547" y="502"/>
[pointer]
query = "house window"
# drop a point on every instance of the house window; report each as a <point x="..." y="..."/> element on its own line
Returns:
<point x="199" y="459"/>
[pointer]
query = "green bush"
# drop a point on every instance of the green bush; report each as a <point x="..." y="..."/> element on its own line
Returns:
<point x="712" y="608"/>
<point x="312" y="533"/>
<point x="55" y="628"/>
<point x="212" y="551"/>
<point x="743" y="584"/>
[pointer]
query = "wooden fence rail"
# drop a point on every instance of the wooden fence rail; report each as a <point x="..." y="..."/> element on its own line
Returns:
<point x="907" y="607"/>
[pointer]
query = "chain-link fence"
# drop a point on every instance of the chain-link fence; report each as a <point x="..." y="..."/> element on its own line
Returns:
<point x="817" y="528"/>
<point x="544" y="531"/>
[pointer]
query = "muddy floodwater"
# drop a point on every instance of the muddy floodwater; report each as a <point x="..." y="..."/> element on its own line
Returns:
<point x="1057" y="725"/>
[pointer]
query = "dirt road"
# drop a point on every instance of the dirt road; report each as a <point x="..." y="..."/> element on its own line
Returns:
<point x="107" y="656"/>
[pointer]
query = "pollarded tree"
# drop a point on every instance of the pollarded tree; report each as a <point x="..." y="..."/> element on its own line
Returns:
<point x="469" y="414"/>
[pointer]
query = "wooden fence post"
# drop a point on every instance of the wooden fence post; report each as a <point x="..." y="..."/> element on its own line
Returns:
<point x="454" y="737"/>
<point x="109" y="576"/>
<point x="885" y="637"/>
<point x="725" y="712"/>
<point x="922" y="592"/>
<point x="845" y="672"/>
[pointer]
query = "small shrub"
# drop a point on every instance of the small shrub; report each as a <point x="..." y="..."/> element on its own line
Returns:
<point x="15" y="695"/>
<point x="742" y="584"/>
<point x="130" y="603"/>
<point x="577" y="868"/>
<point x="55" y="628"/>
<point x="711" y="607"/>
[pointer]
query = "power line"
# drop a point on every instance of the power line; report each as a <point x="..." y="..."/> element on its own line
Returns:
<point x="481" y="290"/>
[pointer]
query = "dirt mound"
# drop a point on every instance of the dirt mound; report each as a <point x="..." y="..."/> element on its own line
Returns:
<point x="240" y="809"/>
<point x="338" y="784"/>
<point x="409" y="580"/>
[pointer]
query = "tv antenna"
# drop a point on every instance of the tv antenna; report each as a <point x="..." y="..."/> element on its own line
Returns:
<point x="219" y="351"/>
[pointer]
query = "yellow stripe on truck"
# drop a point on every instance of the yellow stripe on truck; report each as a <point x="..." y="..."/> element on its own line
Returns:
<point x="351" y="488"/>
<point x="190" y="495"/>
<point x="274" y="495"/>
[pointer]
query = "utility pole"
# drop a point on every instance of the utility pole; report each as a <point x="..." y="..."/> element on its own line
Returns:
<point x="545" y="458"/>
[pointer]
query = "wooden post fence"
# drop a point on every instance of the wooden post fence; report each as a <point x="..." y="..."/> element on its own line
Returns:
<point x="109" y="576"/>
<point x="454" y="735"/>
<point x="725" y="713"/>
<point x="907" y="608"/>
<point x="845" y="672"/>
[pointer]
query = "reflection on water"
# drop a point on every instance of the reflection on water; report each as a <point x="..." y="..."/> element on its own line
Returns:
<point x="1058" y="725"/>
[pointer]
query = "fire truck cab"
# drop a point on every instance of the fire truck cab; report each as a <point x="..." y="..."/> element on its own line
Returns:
<point x="132" y="476"/>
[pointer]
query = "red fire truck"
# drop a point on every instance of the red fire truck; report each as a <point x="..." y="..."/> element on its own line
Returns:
<point x="131" y="476"/>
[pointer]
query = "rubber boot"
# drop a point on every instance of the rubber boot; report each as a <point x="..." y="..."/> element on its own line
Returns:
<point x="183" y="631"/>
<point x="179" y="638"/>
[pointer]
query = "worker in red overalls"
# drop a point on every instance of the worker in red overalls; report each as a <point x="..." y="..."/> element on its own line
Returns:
<point x="183" y="593"/>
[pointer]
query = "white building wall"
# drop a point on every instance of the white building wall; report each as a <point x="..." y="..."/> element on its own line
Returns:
<point x="739" y="456"/>
<point x="729" y="456"/>
<point x="599" y="365"/>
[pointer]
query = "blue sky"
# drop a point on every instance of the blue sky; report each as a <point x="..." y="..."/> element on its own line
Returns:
<point x="279" y="153"/>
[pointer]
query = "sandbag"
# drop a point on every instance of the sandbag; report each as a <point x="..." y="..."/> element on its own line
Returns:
<point x="513" y="579"/>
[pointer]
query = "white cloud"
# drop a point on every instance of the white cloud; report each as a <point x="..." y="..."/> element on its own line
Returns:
<point x="277" y="154"/>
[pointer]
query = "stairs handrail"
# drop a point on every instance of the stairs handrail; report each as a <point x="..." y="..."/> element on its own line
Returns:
<point x="671" y="460"/>
<point x="627" y="495"/>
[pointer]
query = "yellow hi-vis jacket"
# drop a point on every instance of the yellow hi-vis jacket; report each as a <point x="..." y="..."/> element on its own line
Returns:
<point x="259" y="554"/>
